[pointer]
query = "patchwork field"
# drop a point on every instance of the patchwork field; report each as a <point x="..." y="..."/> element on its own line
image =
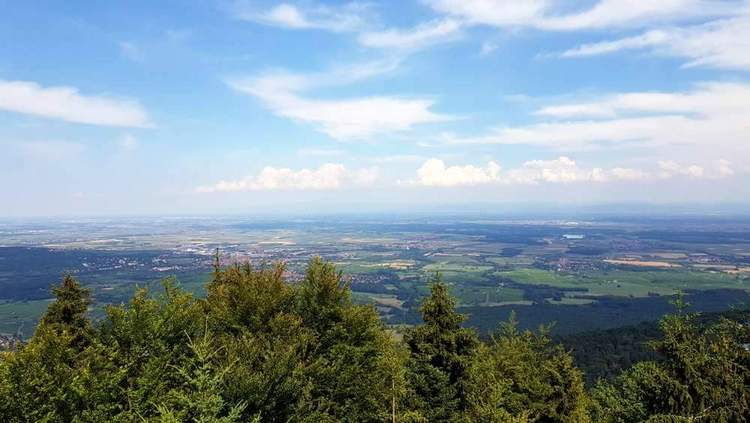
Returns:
<point x="491" y="266"/>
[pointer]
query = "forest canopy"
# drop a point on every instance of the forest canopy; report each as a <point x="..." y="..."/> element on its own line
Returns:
<point x="260" y="349"/>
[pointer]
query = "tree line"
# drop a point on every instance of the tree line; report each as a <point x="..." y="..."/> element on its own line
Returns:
<point x="259" y="349"/>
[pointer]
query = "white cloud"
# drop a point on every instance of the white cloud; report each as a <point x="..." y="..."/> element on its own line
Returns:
<point x="627" y="174"/>
<point x="711" y="114"/>
<point x="349" y="17"/>
<point x="421" y="36"/>
<point x="67" y="104"/>
<point x="546" y="14"/>
<point x="723" y="44"/>
<point x="327" y="177"/>
<point x="629" y="13"/>
<point x="562" y="170"/>
<point x="435" y="173"/>
<point x="349" y="118"/>
<point x="566" y="170"/>
<point x="492" y="12"/>
<point x="647" y="39"/>
<point x="721" y="168"/>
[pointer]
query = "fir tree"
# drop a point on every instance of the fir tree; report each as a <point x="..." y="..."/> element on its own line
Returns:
<point x="441" y="352"/>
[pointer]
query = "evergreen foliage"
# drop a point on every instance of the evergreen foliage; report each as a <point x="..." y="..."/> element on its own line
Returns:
<point x="523" y="376"/>
<point x="259" y="349"/>
<point x="704" y="376"/>
<point x="441" y="352"/>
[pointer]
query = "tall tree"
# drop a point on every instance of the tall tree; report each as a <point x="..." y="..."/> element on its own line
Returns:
<point x="353" y="363"/>
<point x="523" y="376"/>
<point x="56" y="376"/>
<point x="441" y="352"/>
<point x="703" y="376"/>
<point x="68" y="311"/>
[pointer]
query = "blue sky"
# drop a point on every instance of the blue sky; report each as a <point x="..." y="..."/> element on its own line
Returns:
<point x="252" y="106"/>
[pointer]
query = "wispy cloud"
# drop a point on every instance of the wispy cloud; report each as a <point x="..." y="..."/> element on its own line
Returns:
<point x="634" y="14"/>
<point x="723" y="44"/>
<point x="545" y="14"/>
<point x="648" y="39"/>
<point x="421" y="36"/>
<point x="329" y="176"/>
<point x="67" y="104"/>
<point x="350" y="118"/>
<point x="345" y="18"/>
<point x="711" y="114"/>
<point x="488" y="12"/>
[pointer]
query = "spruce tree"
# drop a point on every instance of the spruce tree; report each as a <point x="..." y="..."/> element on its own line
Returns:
<point x="703" y="376"/>
<point x="524" y="377"/>
<point x="68" y="311"/>
<point x="441" y="352"/>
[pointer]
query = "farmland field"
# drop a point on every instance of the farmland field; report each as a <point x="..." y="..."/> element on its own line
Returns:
<point x="492" y="266"/>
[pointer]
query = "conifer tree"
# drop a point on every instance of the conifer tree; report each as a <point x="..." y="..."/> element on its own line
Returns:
<point x="441" y="352"/>
<point x="198" y="396"/>
<point x="524" y="377"/>
<point x="704" y="376"/>
<point x="68" y="311"/>
<point x="54" y="377"/>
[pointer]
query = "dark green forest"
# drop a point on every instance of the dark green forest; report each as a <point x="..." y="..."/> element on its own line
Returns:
<point x="259" y="349"/>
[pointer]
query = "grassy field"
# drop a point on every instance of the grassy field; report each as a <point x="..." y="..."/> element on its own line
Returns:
<point x="23" y="314"/>
<point x="475" y="295"/>
<point x="629" y="283"/>
<point x="458" y="272"/>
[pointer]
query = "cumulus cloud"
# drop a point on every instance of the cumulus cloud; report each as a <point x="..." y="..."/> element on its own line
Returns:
<point x="627" y="174"/>
<point x="435" y="173"/>
<point x="421" y="36"/>
<point x="348" y="17"/>
<point x="329" y="176"/>
<point x="721" y="168"/>
<point x="67" y="104"/>
<point x="566" y="170"/>
<point x="361" y="117"/>
<point x="723" y="44"/>
<point x="712" y="114"/>
<point x="561" y="170"/>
